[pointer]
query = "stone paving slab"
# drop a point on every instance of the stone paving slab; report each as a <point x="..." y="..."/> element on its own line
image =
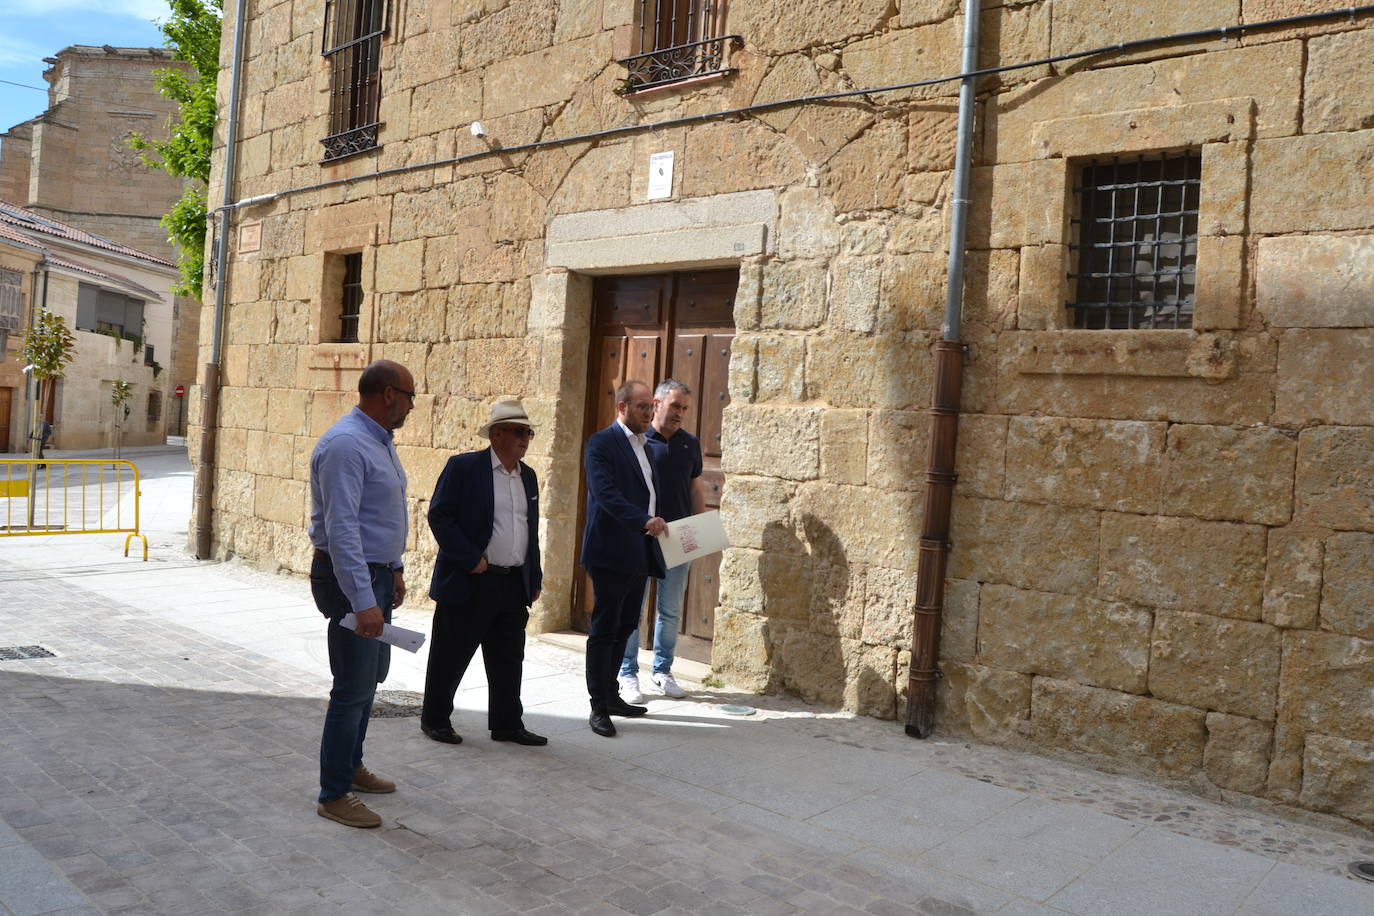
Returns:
<point x="165" y="762"/>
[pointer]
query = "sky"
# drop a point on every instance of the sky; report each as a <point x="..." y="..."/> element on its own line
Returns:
<point x="35" y="29"/>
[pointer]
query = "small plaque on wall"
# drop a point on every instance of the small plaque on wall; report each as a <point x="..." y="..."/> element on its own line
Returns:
<point x="661" y="175"/>
<point x="250" y="237"/>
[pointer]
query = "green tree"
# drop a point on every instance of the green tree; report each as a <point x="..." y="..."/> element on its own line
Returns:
<point x="120" y="393"/>
<point x="48" y="347"/>
<point x="192" y="32"/>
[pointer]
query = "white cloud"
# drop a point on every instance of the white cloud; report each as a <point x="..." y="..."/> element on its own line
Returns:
<point x="23" y="53"/>
<point x="134" y="9"/>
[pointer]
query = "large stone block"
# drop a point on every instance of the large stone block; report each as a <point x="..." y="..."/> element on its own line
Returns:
<point x="844" y="446"/>
<point x="1220" y="472"/>
<point x="487" y="310"/>
<point x="1316" y="281"/>
<point x="806" y="225"/>
<point x="742" y="654"/>
<point x="913" y="292"/>
<point x="244" y="408"/>
<point x="755" y="513"/>
<point x="1167" y="738"/>
<point x="1338" y="776"/>
<point x="904" y="55"/>
<point x="780" y="368"/>
<point x="866" y="173"/>
<point x="846" y="525"/>
<point x="813" y="666"/>
<point x="1227" y="665"/>
<point x="839" y="597"/>
<point x="454" y="101"/>
<point x="1326" y="683"/>
<point x="1030" y="546"/>
<point x="542" y="77"/>
<point x="889" y="607"/>
<point x="1348" y="585"/>
<point x="959" y="620"/>
<point x="855" y="285"/>
<point x="280" y="500"/>
<point x="412" y="316"/>
<point x="1324" y="377"/>
<point x="794" y="295"/>
<point x="1105" y="644"/>
<point x="1097" y="464"/>
<point x="778" y="28"/>
<point x="1293" y="580"/>
<point x="1082" y="24"/>
<point x="1237" y="753"/>
<point x="1338" y="86"/>
<point x="740" y="156"/>
<point x="890" y="371"/>
<point x="1175" y="82"/>
<point x="753" y="436"/>
<point x="399" y="267"/>
<point x="1335" y="480"/>
<point x="983" y="702"/>
<point x="1337" y="190"/>
<point x="1184" y="564"/>
<point x="870" y="673"/>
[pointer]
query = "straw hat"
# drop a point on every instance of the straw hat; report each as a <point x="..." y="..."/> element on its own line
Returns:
<point x="506" y="410"/>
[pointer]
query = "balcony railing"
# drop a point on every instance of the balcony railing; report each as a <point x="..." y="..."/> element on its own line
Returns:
<point x="695" y="59"/>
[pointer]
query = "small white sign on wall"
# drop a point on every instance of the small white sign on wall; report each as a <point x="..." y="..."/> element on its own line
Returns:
<point x="661" y="175"/>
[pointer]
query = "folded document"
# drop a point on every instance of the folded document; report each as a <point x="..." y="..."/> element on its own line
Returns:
<point x="400" y="637"/>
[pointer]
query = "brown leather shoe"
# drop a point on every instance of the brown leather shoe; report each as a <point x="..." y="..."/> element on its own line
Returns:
<point x="347" y="810"/>
<point x="364" y="780"/>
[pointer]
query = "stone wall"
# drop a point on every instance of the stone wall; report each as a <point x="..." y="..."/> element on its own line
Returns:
<point x="1160" y="537"/>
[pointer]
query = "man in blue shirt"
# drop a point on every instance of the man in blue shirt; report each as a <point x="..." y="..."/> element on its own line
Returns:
<point x="676" y="456"/>
<point x="358" y="527"/>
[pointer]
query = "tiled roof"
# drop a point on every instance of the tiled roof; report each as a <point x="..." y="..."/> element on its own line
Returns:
<point x="79" y="267"/>
<point x="27" y="222"/>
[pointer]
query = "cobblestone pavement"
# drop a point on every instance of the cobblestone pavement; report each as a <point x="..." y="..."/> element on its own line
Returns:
<point x="164" y="760"/>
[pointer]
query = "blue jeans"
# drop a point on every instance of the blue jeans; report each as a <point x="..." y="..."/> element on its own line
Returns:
<point x="667" y="613"/>
<point x="358" y="666"/>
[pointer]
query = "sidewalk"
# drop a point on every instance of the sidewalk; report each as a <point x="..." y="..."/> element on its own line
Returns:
<point x="165" y="761"/>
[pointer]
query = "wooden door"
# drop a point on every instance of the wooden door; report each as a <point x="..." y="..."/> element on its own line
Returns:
<point x="653" y="327"/>
<point x="6" y="415"/>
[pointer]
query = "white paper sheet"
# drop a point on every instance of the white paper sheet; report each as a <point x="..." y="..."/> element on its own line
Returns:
<point x="400" y="637"/>
<point x="692" y="537"/>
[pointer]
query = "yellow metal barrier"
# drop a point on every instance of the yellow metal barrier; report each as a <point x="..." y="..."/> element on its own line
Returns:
<point x="71" y="496"/>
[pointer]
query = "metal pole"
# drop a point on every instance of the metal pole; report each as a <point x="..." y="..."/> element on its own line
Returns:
<point x="933" y="550"/>
<point x="209" y="415"/>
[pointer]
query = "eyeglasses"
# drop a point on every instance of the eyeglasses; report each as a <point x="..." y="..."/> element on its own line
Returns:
<point x="409" y="394"/>
<point x="524" y="432"/>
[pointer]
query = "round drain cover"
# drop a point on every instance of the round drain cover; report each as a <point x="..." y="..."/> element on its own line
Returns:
<point x="1363" y="870"/>
<point x="738" y="710"/>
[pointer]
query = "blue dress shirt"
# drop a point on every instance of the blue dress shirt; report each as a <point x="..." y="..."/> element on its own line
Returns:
<point x="357" y="502"/>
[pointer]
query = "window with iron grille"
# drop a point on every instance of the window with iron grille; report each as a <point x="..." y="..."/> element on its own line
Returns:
<point x="353" y="31"/>
<point x="678" y="40"/>
<point x="1135" y="241"/>
<point x="11" y="299"/>
<point x="351" y="300"/>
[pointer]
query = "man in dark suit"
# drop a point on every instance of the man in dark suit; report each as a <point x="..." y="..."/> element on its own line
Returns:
<point x="485" y="516"/>
<point x="619" y="547"/>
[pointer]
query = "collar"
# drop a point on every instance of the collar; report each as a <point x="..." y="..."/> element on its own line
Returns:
<point x="374" y="429"/>
<point x="496" y="464"/>
<point x="630" y="434"/>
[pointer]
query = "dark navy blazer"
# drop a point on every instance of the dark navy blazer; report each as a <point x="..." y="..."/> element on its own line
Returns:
<point x="618" y="507"/>
<point x="462" y="514"/>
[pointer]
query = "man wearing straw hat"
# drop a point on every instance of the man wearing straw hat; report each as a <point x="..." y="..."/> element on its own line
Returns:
<point x="485" y="516"/>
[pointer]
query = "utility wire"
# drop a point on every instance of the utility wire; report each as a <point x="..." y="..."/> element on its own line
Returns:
<point x="24" y="85"/>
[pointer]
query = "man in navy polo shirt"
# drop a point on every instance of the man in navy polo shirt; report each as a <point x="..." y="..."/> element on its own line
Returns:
<point x="676" y="455"/>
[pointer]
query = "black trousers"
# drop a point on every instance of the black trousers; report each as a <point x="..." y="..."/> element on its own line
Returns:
<point x="494" y="619"/>
<point x="617" y="599"/>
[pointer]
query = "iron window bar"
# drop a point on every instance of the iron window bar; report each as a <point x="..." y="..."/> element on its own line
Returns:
<point x="352" y="43"/>
<point x="1135" y="245"/>
<point x="682" y="62"/>
<point x="351" y="300"/>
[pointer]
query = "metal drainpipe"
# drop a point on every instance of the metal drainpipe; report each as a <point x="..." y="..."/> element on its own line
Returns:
<point x="944" y="422"/>
<point x="209" y="392"/>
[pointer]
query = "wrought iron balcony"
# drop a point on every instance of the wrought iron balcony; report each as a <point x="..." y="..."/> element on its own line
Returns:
<point x="695" y="59"/>
<point x="350" y="142"/>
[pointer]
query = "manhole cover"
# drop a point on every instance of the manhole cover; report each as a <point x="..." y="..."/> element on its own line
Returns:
<point x="1363" y="870"/>
<point x="396" y="704"/>
<point x="732" y="710"/>
<point x="10" y="653"/>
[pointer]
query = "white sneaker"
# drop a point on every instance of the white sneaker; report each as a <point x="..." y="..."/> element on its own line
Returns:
<point x="669" y="686"/>
<point x="629" y="689"/>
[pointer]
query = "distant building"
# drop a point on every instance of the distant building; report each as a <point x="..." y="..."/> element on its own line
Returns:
<point x="118" y="302"/>
<point x="73" y="164"/>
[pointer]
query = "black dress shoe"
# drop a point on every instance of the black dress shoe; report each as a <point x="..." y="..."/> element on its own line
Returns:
<point x="445" y="733"/>
<point x="601" y="724"/>
<point x="618" y="707"/>
<point x="520" y="736"/>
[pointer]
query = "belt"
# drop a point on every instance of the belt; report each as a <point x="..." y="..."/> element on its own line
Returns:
<point x="324" y="557"/>
<point x="503" y="570"/>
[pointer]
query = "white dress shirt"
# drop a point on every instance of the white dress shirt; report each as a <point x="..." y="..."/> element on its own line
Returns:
<point x="637" y="441"/>
<point x="510" y="530"/>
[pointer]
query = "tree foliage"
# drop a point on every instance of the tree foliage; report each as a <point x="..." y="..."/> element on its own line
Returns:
<point x="192" y="32"/>
<point x="49" y="346"/>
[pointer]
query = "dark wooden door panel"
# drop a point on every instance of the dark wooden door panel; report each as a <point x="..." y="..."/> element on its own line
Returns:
<point x="715" y="393"/>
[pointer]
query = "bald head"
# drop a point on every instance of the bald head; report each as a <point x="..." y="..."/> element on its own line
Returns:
<point x="386" y="393"/>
